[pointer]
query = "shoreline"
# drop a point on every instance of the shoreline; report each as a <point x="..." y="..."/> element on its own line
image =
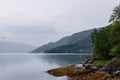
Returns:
<point x="87" y="72"/>
<point x="77" y="74"/>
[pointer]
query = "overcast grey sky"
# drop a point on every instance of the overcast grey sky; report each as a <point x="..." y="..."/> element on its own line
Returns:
<point x="37" y="22"/>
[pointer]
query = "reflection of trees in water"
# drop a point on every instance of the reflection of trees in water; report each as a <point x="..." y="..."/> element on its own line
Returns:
<point x="63" y="59"/>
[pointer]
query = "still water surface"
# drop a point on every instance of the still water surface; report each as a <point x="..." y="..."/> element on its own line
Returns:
<point x="26" y="66"/>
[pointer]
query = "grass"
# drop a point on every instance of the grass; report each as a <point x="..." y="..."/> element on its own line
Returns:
<point x="100" y="62"/>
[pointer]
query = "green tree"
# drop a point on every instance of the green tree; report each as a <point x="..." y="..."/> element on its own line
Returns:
<point x="115" y="33"/>
<point x="115" y="38"/>
<point x="115" y="51"/>
<point x="102" y="44"/>
<point x="106" y="41"/>
<point x="115" y="15"/>
<point x="93" y="35"/>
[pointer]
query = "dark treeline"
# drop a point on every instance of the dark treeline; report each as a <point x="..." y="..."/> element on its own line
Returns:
<point x="106" y="41"/>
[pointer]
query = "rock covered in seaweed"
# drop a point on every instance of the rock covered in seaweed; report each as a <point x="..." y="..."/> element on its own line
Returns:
<point x="77" y="74"/>
<point x="87" y="71"/>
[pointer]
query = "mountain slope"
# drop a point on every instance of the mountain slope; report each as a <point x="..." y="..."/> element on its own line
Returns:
<point x="12" y="47"/>
<point x="68" y="42"/>
<point x="51" y="45"/>
<point x="82" y="46"/>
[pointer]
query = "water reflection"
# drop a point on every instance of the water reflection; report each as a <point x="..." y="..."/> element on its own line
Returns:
<point x="63" y="60"/>
<point x="33" y="67"/>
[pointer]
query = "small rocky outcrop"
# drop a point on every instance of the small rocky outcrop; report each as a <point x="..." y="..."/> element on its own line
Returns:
<point x="62" y="71"/>
<point x="77" y="74"/>
<point x="111" y="71"/>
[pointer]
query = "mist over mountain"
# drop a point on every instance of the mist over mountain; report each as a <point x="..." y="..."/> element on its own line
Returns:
<point x="78" y="42"/>
<point x="13" y="47"/>
<point x="82" y="46"/>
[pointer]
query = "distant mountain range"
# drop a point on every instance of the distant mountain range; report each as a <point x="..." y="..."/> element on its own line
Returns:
<point x="12" y="47"/>
<point x="76" y="43"/>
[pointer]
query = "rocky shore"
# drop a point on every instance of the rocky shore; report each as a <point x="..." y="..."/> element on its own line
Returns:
<point x="87" y="71"/>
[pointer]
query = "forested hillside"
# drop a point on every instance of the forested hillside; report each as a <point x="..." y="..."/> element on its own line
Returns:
<point x="78" y="42"/>
<point x="107" y="40"/>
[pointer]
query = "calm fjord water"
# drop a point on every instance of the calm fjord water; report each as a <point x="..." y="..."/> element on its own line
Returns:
<point x="26" y="66"/>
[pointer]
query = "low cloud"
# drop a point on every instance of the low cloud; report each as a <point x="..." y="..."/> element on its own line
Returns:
<point x="40" y="21"/>
<point x="32" y="30"/>
<point x="2" y="38"/>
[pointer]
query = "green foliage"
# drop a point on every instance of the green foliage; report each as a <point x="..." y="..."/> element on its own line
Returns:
<point x="115" y="33"/>
<point x="106" y="41"/>
<point x="115" y="15"/>
<point x="100" y="62"/>
<point x="93" y="35"/>
<point x="101" y="43"/>
<point x="115" y="51"/>
<point x="115" y="38"/>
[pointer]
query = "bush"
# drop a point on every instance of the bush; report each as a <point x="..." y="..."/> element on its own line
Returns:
<point x="115" y="51"/>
